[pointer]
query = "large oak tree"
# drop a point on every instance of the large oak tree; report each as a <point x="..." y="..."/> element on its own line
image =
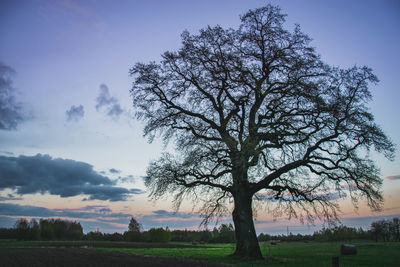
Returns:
<point x="258" y="117"/>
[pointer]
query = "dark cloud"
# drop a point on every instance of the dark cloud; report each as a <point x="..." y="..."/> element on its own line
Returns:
<point x="75" y="113"/>
<point x="11" y="111"/>
<point x="63" y="177"/>
<point x="112" y="170"/>
<point x="394" y="177"/>
<point x="109" y="104"/>
<point x="88" y="212"/>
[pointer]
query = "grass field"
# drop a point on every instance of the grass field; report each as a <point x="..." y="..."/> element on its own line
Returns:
<point x="283" y="254"/>
<point x="288" y="254"/>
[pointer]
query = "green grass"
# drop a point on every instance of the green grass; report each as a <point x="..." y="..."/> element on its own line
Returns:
<point x="288" y="254"/>
<point x="284" y="254"/>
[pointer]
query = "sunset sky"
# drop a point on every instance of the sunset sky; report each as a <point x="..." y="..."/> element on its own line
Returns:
<point x="76" y="152"/>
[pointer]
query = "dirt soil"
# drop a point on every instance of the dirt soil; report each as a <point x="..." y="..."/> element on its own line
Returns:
<point x="85" y="257"/>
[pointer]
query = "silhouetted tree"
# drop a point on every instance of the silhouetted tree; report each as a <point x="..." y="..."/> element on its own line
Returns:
<point x="257" y="116"/>
<point x="134" y="226"/>
<point x="133" y="233"/>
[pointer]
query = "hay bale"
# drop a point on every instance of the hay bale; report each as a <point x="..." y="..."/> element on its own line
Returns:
<point x="348" y="249"/>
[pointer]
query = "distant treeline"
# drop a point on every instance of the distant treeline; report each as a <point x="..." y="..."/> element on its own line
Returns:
<point x="382" y="230"/>
<point x="45" y="229"/>
<point x="57" y="229"/>
<point x="223" y="234"/>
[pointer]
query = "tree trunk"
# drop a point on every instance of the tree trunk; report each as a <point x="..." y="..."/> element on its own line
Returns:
<point x="246" y="239"/>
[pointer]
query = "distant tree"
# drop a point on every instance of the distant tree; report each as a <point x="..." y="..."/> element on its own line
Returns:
<point x="257" y="116"/>
<point x="264" y="237"/>
<point x="74" y="231"/>
<point x="22" y="228"/>
<point x="8" y="233"/>
<point x="133" y="233"/>
<point x="395" y="229"/>
<point x="226" y="233"/>
<point x="60" y="228"/>
<point x="94" y="236"/>
<point x="113" y="237"/>
<point x="134" y="226"/>
<point x="205" y="236"/>
<point x="157" y="235"/>
<point x="387" y="230"/>
<point x="46" y="229"/>
<point x="34" y="230"/>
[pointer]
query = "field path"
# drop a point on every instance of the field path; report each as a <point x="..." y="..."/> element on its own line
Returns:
<point x="82" y="257"/>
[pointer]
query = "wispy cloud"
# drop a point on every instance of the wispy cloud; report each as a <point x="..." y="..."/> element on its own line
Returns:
<point x="75" y="113"/>
<point x="105" y="101"/>
<point x="393" y="177"/>
<point x="62" y="177"/>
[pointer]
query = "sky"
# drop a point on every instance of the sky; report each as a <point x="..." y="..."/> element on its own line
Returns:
<point x="69" y="144"/>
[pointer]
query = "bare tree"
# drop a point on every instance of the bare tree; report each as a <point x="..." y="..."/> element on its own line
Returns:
<point x="257" y="117"/>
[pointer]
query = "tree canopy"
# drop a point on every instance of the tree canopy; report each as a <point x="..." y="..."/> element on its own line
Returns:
<point x="258" y="117"/>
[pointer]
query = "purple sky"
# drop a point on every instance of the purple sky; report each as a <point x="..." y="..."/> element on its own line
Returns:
<point x="71" y="60"/>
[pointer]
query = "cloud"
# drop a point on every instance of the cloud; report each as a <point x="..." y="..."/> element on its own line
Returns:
<point x="96" y="214"/>
<point x="174" y="220"/>
<point x="62" y="177"/>
<point x="112" y="170"/>
<point x="75" y="113"/>
<point x="110" y="104"/>
<point x="169" y="214"/>
<point x="394" y="177"/>
<point x="127" y="179"/>
<point x="11" y="111"/>
<point x="10" y="197"/>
